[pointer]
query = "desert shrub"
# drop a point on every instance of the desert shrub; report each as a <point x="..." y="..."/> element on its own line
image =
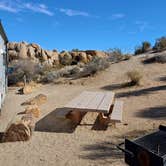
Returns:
<point x="97" y="64"/>
<point x="50" y="77"/>
<point x="135" y="77"/>
<point x="116" y="55"/>
<point x="75" y="50"/>
<point x="75" y="70"/>
<point x="53" y="75"/>
<point x="23" y="68"/>
<point x="160" y="44"/>
<point x="156" y="59"/>
<point x="145" y="47"/>
<point x="138" y="50"/>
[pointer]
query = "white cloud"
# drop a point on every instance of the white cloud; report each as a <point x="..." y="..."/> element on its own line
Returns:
<point x="7" y="7"/>
<point x="41" y="8"/>
<point x="117" y="16"/>
<point x="70" y="12"/>
<point x="16" y="6"/>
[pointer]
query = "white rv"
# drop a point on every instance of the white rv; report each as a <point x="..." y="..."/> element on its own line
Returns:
<point x="3" y="65"/>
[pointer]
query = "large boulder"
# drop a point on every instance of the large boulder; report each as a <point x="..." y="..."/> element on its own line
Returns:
<point x="13" y="55"/>
<point x="83" y="57"/>
<point x="55" y="58"/>
<point x="31" y="52"/>
<point x="19" y="130"/>
<point x="89" y="57"/>
<point x="48" y="53"/>
<point x="65" y="58"/>
<point x="23" y="51"/>
<point x="11" y="46"/>
<point x="43" y="56"/>
<point x="96" y="53"/>
<point x="35" y="46"/>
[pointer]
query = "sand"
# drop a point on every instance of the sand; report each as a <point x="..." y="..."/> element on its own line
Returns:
<point x="57" y="142"/>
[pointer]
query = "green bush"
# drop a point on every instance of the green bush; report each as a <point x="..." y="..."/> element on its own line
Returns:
<point x="160" y="44"/>
<point x="145" y="47"/>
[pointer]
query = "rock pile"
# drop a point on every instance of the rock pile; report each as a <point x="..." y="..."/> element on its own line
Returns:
<point x="37" y="54"/>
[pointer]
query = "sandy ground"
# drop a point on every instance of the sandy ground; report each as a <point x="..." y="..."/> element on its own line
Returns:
<point x="57" y="142"/>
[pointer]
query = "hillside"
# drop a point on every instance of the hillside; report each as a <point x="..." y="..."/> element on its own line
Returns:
<point x="144" y="111"/>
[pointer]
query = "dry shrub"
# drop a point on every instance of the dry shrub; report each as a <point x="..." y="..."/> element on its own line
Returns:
<point x="23" y="68"/>
<point x="96" y="65"/>
<point x="67" y="71"/>
<point x="135" y="77"/>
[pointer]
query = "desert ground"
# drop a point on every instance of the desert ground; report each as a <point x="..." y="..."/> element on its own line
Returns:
<point x="56" y="141"/>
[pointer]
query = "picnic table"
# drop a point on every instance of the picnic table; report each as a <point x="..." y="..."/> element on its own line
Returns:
<point x="104" y="103"/>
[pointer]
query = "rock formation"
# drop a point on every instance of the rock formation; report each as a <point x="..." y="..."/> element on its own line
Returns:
<point x="37" y="54"/>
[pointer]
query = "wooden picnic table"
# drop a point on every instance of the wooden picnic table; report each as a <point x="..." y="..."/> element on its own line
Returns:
<point x="100" y="102"/>
<point x="92" y="102"/>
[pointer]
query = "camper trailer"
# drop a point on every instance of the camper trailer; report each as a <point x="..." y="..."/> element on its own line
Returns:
<point x="3" y="65"/>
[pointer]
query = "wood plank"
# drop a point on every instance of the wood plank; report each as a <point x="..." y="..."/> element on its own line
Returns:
<point x="117" y="111"/>
<point x="79" y="100"/>
<point x="85" y="99"/>
<point x="95" y="102"/>
<point x="107" y="101"/>
<point x="92" y="101"/>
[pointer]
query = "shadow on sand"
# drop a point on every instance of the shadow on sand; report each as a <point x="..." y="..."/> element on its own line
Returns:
<point x="107" y="151"/>
<point x="56" y="122"/>
<point x="153" y="113"/>
<point x="101" y="151"/>
<point x="116" y="86"/>
<point x="141" y="91"/>
<point x="162" y="78"/>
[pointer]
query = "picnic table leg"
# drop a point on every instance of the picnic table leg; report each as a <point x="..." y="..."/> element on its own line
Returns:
<point x="75" y="116"/>
<point x="103" y="120"/>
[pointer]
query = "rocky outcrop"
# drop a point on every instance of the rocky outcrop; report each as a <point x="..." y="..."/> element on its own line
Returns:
<point x="37" y="54"/>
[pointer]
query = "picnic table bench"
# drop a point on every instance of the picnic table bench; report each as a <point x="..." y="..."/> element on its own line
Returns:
<point x="109" y="109"/>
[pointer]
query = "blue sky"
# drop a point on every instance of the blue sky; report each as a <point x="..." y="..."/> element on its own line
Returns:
<point x="84" y="24"/>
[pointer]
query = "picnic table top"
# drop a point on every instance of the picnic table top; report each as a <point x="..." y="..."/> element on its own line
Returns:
<point x="92" y="102"/>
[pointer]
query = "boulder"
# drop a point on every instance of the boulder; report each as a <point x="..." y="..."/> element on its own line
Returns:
<point x="65" y="58"/>
<point x="27" y="89"/>
<point x="23" y="51"/>
<point x="34" y="110"/>
<point x="31" y="52"/>
<point x="89" y="57"/>
<point x="48" y="53"/>
<point x="37" y="100"/>
<point x="20" y="130"/>
<point x="43" y="56"/>
<point x="11" y="46"/>
<point x="96" y="53"/>
<point x="55" y="58"/>
<point x="18" y="47"/>
<point x="35" y="46"/>
<point x="83" y="57"/>
<point x="13" y="55"/>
